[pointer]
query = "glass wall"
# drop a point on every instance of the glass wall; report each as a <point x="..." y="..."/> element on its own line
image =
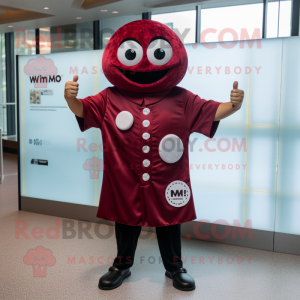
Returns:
<point x="288" y="187"/>
<point x="183" y="23"/>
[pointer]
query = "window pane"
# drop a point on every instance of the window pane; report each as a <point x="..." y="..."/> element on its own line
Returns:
<point x="183" y="23"/>
<point x="272" y="19"/>
<point x="232" y="23"/>
<point x="288" y="187"/>
<point x="111" y="25"/>
<point x="25" y="42"/>
<point x="279" y="13"/>
<point x="45" y="41"/>
<point x="72" y="37"/>
<point x="285" y="18"/>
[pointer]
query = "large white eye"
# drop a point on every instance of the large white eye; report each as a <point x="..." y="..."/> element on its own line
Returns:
<point x="159" y="52"/>
<point x="130" y="53"/>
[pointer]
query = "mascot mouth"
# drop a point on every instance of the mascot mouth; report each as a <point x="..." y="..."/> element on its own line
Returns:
<point x="144" y="77"/>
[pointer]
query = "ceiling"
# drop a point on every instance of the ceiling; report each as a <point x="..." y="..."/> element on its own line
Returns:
<point x="30" y="14"/>
<point x="12" y="15"/>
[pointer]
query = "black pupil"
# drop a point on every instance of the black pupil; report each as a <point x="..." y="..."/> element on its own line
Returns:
<point x="159" y="53"/>
<point x="130" y="54"/>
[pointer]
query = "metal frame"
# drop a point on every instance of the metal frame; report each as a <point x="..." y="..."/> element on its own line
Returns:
<point x="146" y="16"/>
<point x="18" y="131"/>
<point x="198" y="24"/>
<point x="96" y="35"/>
<point x="37" y="41"/>
<point x="265" y="18"/>
<point x="10" y="82"/>
<point x="295" y="18"/>
<point x="100" y="34"/>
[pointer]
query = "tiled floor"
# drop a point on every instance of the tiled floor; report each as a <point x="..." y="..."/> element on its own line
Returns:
<point x="80" y="262"/>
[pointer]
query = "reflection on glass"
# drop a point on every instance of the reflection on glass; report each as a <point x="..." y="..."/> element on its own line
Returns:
<point x="183" y="23"/>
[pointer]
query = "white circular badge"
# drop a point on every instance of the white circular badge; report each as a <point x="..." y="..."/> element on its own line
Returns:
<point x="124" y="120"/>
<point x="170" y="148"/>
<point x="178" y="193"/>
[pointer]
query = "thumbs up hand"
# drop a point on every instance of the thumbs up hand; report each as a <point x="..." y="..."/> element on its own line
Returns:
<point x="71" y="88"/>
<point x="236" y="96"/>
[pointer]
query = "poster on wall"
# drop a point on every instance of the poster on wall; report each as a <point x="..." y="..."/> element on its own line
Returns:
<point x="58" y="161"/>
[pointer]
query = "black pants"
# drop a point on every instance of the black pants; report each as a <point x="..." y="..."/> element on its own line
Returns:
<point x="169" y="243"/>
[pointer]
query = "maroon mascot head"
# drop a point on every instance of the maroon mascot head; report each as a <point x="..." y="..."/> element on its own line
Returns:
<point x="144" y="57"/>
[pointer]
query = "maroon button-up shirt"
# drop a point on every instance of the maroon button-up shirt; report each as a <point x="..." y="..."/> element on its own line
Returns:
<point x="126" y="197"/>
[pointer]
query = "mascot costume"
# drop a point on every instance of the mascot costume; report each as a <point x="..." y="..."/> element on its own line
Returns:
<point x="146" y="121"/>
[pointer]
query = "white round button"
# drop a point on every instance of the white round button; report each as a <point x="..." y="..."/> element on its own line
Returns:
<point x="146" y="111"/>
<point x="146" y="149"/>
<point x="146" y="136"/>
<point x="124" y="120"/>
<point x="146" y="162"/>
<point x="146" y="176"/>
<point x="170" y="148"/>
<point x="146" y="123"/>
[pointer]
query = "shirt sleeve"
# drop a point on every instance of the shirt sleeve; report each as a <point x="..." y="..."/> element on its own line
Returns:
<point x="200" y="114"/>
<point x="94" y="108"/>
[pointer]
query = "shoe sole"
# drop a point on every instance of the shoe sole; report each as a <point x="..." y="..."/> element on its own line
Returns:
<point x="113" y="287"/>
<point x="180" y="288"/>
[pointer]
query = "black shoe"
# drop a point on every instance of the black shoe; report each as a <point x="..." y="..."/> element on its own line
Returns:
<point x="113" y="278"/>
<point x="181" y="280"/>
